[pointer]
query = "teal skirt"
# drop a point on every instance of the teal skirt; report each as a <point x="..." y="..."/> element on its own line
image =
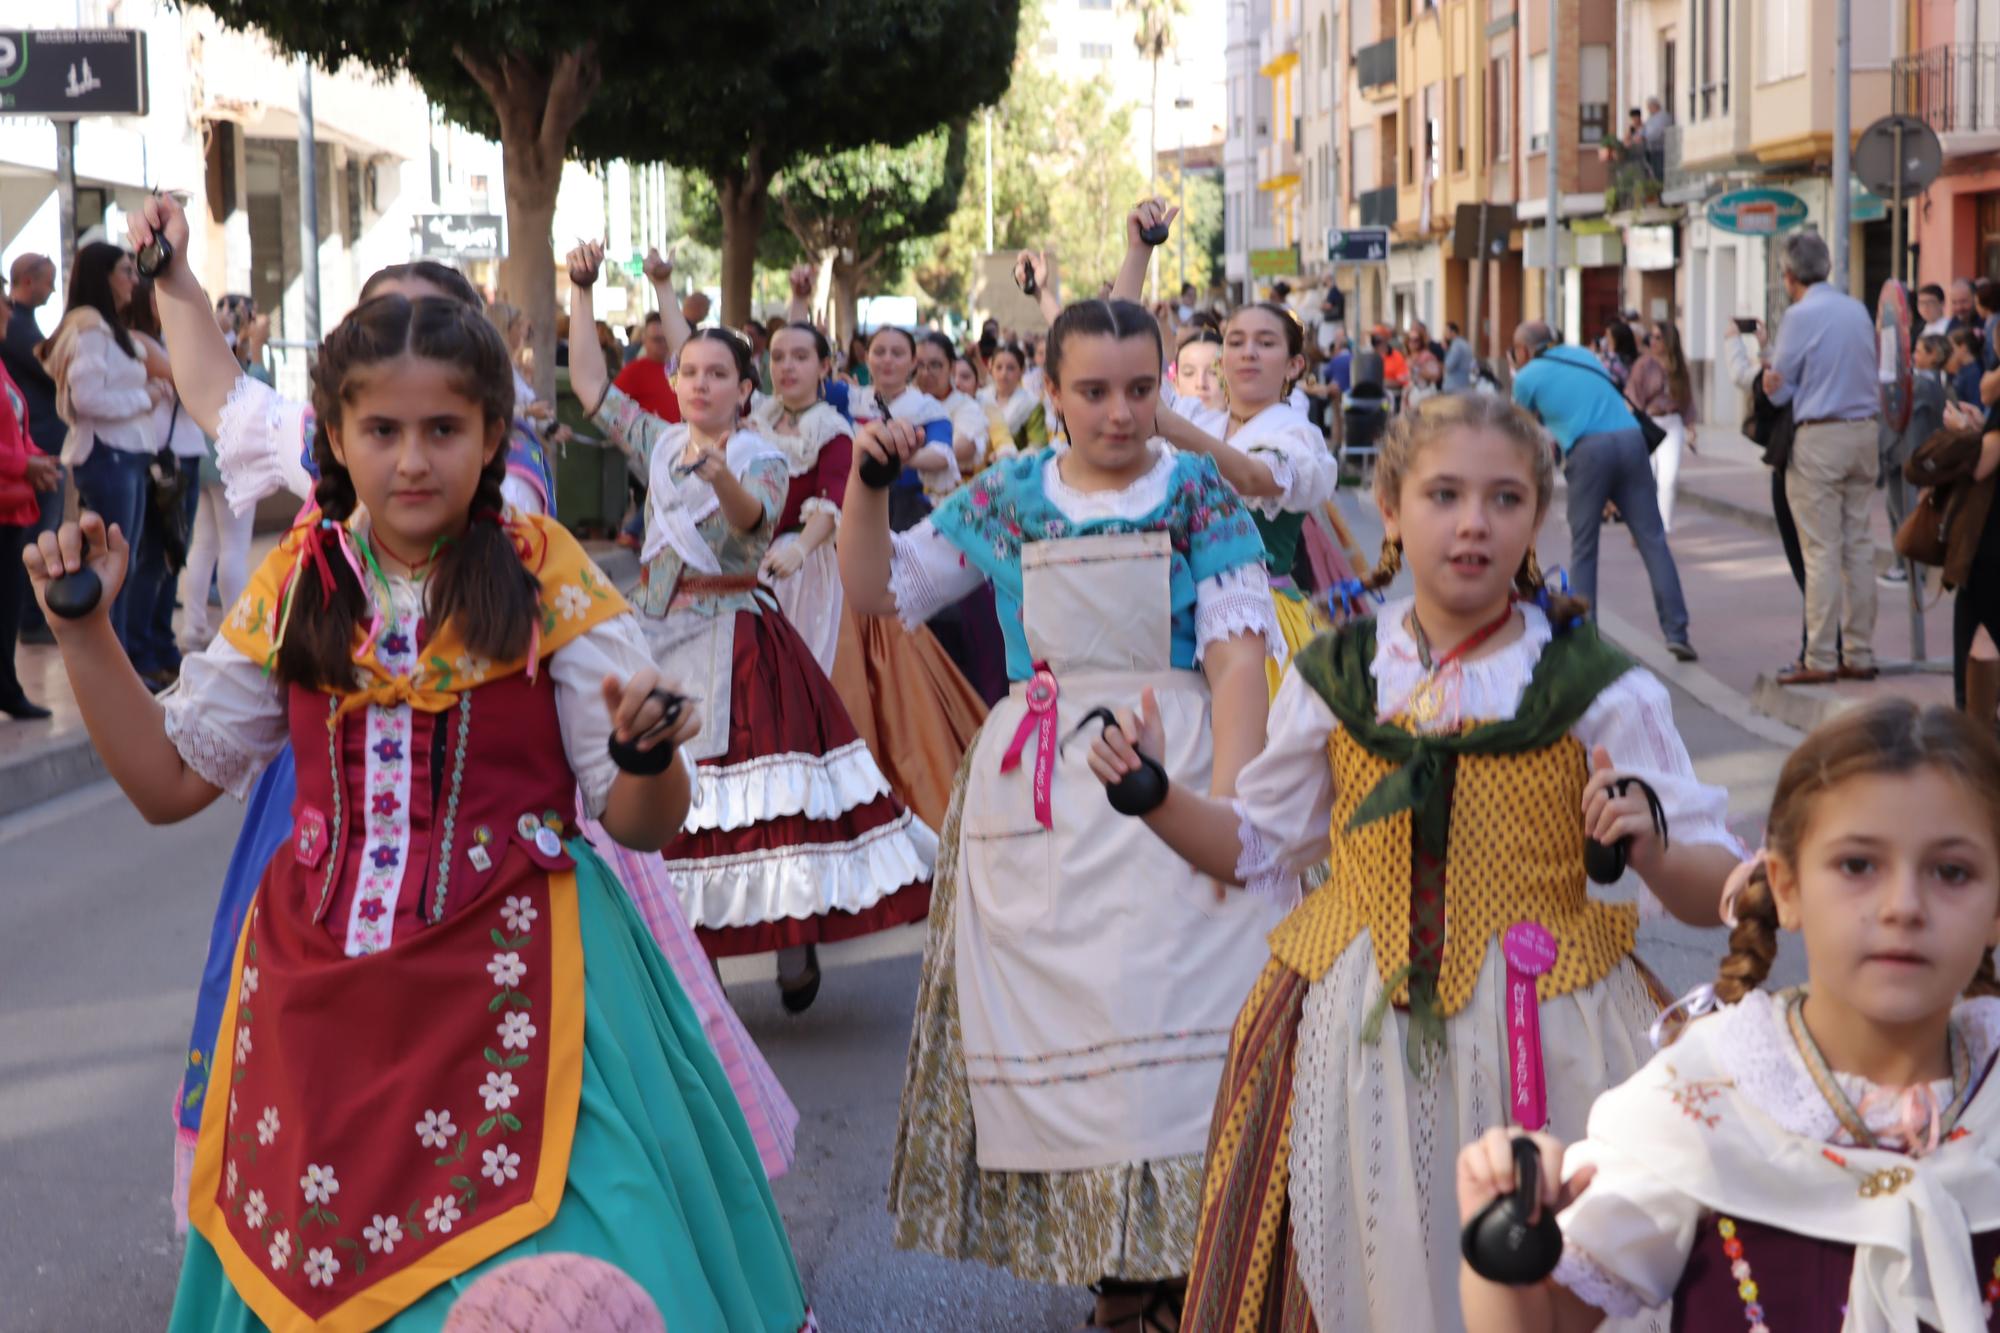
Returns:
<point x="664" y="1179"/>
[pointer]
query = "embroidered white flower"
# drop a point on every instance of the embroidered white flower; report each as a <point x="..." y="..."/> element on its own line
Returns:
<point x="229" y="1182"/>
<point x="255" y="1210"/>
<point x="242" y="1044"/>
<point x="468" y="667"/>
<point x="435" y="1129"/>
<point x="281" y="1251"/>
<point x="321" y="1266"/>
<point x="507" y="969"/>
<point x="442" y="1213"/>
<point x="519" y="913"/>
<point x="232" y="1108"/>
<point x="499" y="1091"/>
<point x="383" y="1234"/>
<point x="501" y="1164"/>
<point x="572" y="602"/>
<point x="249" y="985"/>
<point x="267" y="1126"/>
<point x="319" y="1184"/>
<point x="516" y="1030"/>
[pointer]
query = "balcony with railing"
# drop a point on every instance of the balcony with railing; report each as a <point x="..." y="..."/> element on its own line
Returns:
<point x="1375" y="68"/>
<point x="1956" y="91"/>
<point x="1278" y="165"/>
<point x="1378" y="207"/>
<point x="1278" y="45"/>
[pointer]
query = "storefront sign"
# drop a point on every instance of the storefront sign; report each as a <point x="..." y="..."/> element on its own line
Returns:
<point x="64" y="73"/>
<point x="1757" y="212"/>
<point x="1279" y="262"/>
<point x="1649" y="248"/>
<point x="1358" y="245"/>
<point x="460" y="235"/>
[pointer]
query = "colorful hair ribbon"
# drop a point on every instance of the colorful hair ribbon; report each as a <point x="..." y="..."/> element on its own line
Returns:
<point x="1349" y="598"/>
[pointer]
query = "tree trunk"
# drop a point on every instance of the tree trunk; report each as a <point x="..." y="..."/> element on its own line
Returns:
<point x="744" y="197"/>
<point x="846" y="299"/>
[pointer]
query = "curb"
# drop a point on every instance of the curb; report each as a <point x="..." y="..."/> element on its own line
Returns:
<point x="65" y="766"/>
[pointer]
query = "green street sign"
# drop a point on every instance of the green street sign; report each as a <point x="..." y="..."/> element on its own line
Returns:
<point x="636" y="265"/>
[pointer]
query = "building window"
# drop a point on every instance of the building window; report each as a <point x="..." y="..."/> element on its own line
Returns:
<point x="1669" y="67"/>
<point x="1538" y="102"/>
<point x="1411" y="134"/>
<point x="1095" y="50"/>
<point x="1500" y="108"/>
<point x="1594" y="94"/>
<point x="1989" y="234"/>
<point x="1433" y="131"/>
<point x="1458" y="123"/>
<point x="1785" y="36"/>
<point x="1093" y="4"/>
<point x="1263" y="216"/>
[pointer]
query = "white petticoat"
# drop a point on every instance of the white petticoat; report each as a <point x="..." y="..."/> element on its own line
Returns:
<point x="810" y="599"/>
<point x="1375" y="1147"/>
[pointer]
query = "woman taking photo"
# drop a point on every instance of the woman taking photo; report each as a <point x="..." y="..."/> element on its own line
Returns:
<point x="103" y="393"/>
<point x="1660" y="387"/>
<point x="175" y="490"/>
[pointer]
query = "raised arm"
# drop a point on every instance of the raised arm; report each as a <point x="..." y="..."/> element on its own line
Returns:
<point x="1048" y="296"/>
<point x="660" y="272"/>
<point x="588" y="377"/>
<point x="1246" y="474"/>
<point x="1130" y="284"/>
<point x="126" y="723"/>
<point x="205" y="370"/>
<point x="863" y="538"/>
<point x="802" y="278"/>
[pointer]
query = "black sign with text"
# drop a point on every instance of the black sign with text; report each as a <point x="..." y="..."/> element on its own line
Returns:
<point x="461" y="235"/>
<point x="64" y="73"/>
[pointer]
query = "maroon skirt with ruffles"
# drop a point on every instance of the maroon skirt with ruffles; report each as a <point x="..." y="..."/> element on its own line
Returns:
<point x="821" y="850"/>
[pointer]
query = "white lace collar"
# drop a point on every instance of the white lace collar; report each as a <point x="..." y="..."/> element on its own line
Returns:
<point x="817" y="426"/>
<point x="1267" y="422"/>
<point x="1487" y="689"/>
<point x="1141" y="497"/>
<point x="1753" y="1042"/>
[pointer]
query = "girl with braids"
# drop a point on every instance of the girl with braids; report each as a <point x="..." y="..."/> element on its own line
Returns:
<point x="1451" y="755"/>
<point x="1267" y="450"/>
<point x="451" y="678"/>
<point x="907" y="701"/>
<point x="795" y="836"/>
<point x="258" y="438"/>
<point x="1079" y="978"/>
<point x="1824" y="1157"/>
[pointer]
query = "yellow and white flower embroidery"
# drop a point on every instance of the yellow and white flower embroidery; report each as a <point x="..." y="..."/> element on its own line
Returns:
<point x="572" y="602"/>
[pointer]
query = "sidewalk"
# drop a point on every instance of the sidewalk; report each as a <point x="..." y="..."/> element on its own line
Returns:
<point x="42" y="760"/>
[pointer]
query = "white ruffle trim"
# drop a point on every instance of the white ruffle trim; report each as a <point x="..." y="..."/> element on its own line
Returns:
<point x="1237" y="601"/>
<point x="209" y="752"/>
<point x="1589" y="1283"/>
<point x="793" y="883"/>
<point x="820" y="426"/>
<point x="780" y="785"/>
<point x="257" y="445"/>
<point x="819" y="504"/>
<point x="915" y="592"/>
<point x="1259" y="868"/>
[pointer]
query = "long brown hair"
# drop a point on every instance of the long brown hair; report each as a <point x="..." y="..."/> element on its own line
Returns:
<point x="1890" y="736"/>
<point x="478" y="582"/>
<point x="1679" y="383"/>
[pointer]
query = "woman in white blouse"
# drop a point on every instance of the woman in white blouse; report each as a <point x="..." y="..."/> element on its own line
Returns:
<point x="104" y="394"/>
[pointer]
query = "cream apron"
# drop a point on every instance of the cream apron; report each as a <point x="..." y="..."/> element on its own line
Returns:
<point x="1098" y="976"/>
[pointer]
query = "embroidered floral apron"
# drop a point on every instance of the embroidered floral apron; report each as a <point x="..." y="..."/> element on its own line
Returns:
<point x="1098" y="975"/>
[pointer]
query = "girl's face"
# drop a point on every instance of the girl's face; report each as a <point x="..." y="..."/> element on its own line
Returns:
<point x="1006" y="374"/>
<point x="1197" y="374"/>
<point x="964" y="378"/>
<point x="1109" y="389"/>
<point x="124" y="277"/>
<point x="414" y="445"/>
<point x="933" y="371"/>
<point x="795" y="367"/>
<point x="889" y="363"/>
<point x="1465" y="514"/>
<point x="1256" y="359"/>
<point x="712" y="396"/>
<point x="1896" y="888"/>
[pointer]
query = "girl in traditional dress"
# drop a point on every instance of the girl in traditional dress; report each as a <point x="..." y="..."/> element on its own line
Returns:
<point x="933" y="472"/>
<point x="1079" y="981"/>
<point x="1451" y="753"/>
<point x="450" y="678"/>
<point x="1020" y="407"/>
<point x="1824" y="1157"/>
<point x="794" y="836"/>
<point x="263" y="447"/>
<point x="1273" y="456"/>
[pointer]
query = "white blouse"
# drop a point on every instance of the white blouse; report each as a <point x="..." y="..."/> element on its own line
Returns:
<point x="172" y="427"/>
<point x="927" y="572"/>
<point x="1284" y="797"/>
<point x="228" y="718"/>
<point x="968" y="421"/>
<point x="919" y="409"/>
<point x="1286" y="442"/>
<point x="261" y="445"/>
<point x="108" y="397"/>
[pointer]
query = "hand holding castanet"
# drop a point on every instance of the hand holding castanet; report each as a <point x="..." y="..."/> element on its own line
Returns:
<point x="79" y="568"/>
<point x="881" y="449"/>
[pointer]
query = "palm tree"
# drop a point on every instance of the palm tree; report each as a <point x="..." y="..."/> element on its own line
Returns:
<point x="1153" y="35"/>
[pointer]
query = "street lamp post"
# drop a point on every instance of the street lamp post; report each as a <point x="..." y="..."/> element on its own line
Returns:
<point x="1182" y="105"/>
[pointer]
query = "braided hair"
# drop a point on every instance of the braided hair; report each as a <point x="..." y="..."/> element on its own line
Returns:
<point x="478" y="582"/>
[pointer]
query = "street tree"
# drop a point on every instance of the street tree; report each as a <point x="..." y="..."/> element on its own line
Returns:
<point x="1153" y="34"/>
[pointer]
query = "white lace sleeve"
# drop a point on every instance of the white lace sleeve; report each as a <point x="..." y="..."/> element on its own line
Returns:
<point x="226" y="717"/>
<point x="819" y="504"/>
<point x="1284" y="797"/>
<point x="1305" y="472"/>
<point x="261" y="445"/>
<point x="1236" y="601"/>
<point x="521" y="495"/>
<point x="945" y="480"/>
<point x="614" y="647"/>
<point x="927" y="573"/>
<point x="1629" y="1235"/>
